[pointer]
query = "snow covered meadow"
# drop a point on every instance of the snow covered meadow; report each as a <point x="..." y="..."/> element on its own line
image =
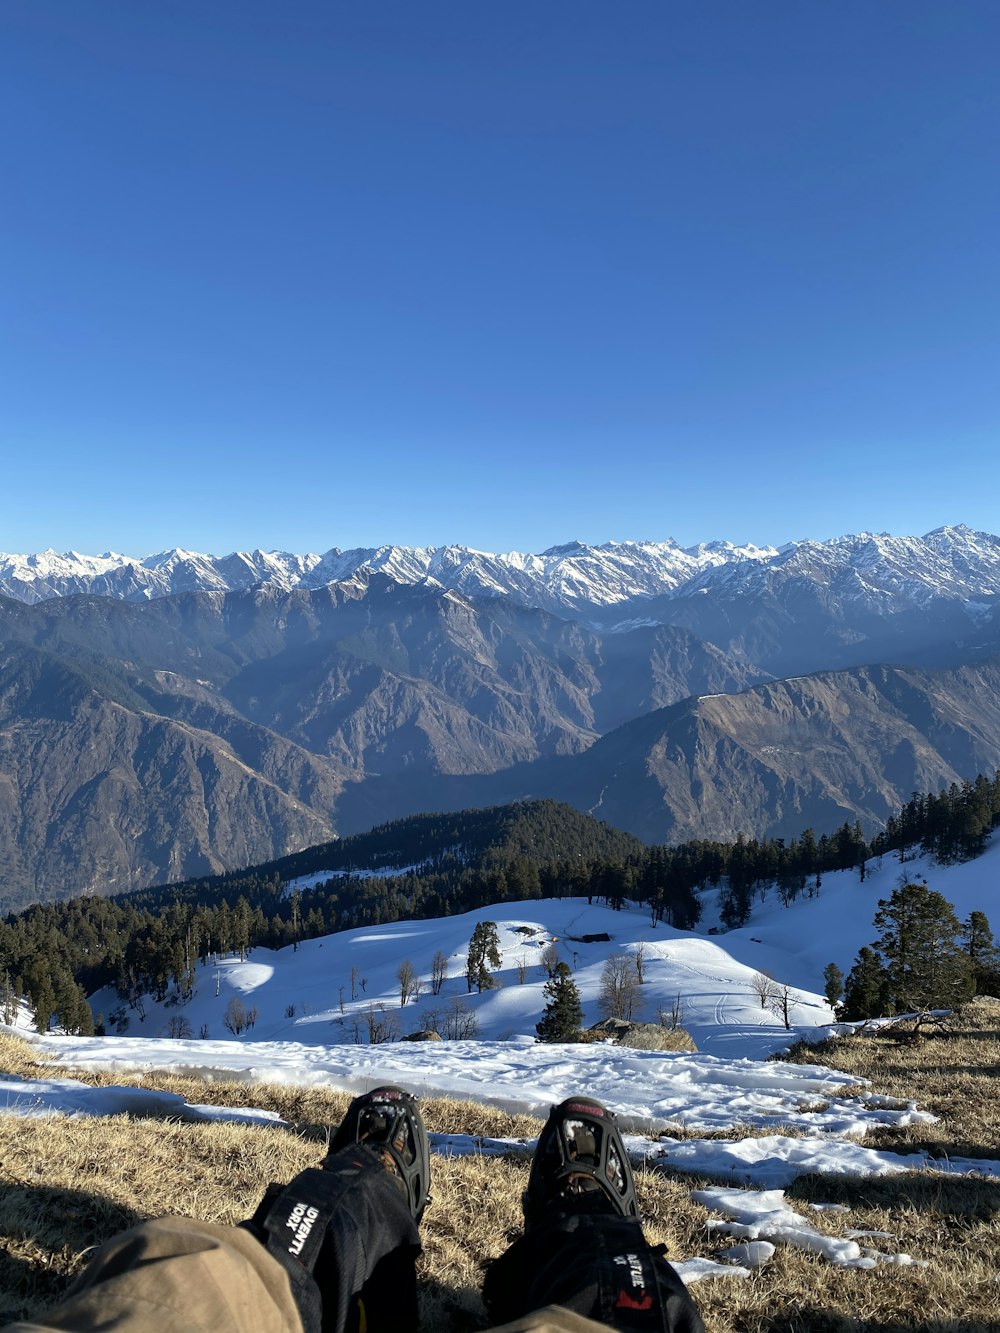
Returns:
<point x="690" y="1112"/>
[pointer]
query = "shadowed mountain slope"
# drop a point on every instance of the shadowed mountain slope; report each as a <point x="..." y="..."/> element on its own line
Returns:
<point x="780" y="757"/>
<point x="98" y="794"/>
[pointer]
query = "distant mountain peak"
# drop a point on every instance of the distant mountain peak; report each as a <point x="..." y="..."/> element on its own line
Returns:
<point x="567" y="548"/>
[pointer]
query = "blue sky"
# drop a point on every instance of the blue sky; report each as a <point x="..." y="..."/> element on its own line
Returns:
<point x="507" y="274"/>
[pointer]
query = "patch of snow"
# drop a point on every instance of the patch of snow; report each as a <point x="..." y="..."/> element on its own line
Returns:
<point x="764" y="1215"/>
<point x="778" y="1160"/>
<point x="648" y="1089"/>
<point x="752" y="1254"/>
<point x="696" y="1270"/>
<point x="67" y="1096"/>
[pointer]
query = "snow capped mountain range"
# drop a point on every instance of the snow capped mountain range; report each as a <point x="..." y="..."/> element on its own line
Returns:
<point x="559" y="579"/>
<point x="885" y="572"/>
<point x="882" y="572"/>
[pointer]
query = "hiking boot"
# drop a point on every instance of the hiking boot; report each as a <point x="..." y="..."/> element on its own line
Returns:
<point x="388" y="1122"/>
<point x="580" y="1161"/>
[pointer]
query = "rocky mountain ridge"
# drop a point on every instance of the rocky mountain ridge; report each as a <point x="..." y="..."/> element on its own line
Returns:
<point x="559" y="579"/>
<point x="885" y="573"/>
<point x="816" y="751"/>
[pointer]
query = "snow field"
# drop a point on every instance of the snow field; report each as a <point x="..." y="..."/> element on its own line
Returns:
<point x="307" y="1023"/>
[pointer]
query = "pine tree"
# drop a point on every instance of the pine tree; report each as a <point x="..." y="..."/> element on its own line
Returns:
<point x="979" y="942"/>
<point x="484" y="952"/>
<point x="43" y="1001"/>
<point x="563" y="1014"/>
<point x="866" y="992"/>
<point x="10" y="1001"/>
<point x="982" y="953"/>
<point x="925" y="967"/>
<point x="833" y="983"/>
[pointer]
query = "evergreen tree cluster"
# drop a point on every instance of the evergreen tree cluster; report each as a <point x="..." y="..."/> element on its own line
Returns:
<point x="152" y="942"/>
<point x="950" y="826"/>
<point x="924" y="958"/>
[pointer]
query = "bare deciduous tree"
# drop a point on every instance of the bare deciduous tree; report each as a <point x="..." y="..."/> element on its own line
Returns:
<point x="780" y="1003"/>
<point x="235" y="1019"/>
<point x="431" y="1021"/>
<point x="521" y="963"/>
<point x="407" y="979"/>
<point x="383" y="1025"/>
<point x="619" y="993"/>
<point x="764" y="988"/>
<point x="640" y="962"/>
<point x="550" y="960"/>
<point x="460" y="1022"/>
<point x="439" y="972"/>
<point x="673" y="1017"/>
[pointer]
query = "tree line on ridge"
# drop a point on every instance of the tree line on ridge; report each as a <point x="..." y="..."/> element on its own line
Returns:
<point x="152" y="942"/>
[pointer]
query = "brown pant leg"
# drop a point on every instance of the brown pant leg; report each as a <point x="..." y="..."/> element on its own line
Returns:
<point x="176" y="1275"/>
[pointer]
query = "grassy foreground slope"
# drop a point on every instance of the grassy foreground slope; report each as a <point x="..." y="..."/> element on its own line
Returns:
<point x="69" y="1183"/>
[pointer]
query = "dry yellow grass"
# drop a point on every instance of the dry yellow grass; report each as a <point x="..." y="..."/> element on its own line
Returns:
<point x="67" y="1184"/>
<point x="951" y="1069"/>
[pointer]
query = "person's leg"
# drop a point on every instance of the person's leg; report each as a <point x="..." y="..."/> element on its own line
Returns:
<point x="346" y="1233"/>
<point x="583" y="1247"/>
<point x="333" y="1251"/>
<point x="175" y="1275"/>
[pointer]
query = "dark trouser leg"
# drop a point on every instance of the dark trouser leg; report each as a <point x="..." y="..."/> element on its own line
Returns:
<point x="360" y="1247"/>
<point x="594" y="1263"/>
